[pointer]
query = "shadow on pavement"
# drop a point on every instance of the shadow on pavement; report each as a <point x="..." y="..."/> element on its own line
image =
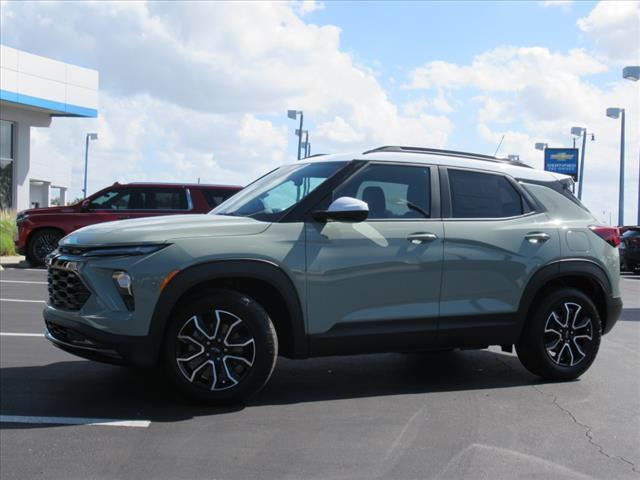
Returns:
<point x="93" y="390"/>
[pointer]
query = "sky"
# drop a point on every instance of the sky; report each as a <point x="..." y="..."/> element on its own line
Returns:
<point x="200" y="90"/>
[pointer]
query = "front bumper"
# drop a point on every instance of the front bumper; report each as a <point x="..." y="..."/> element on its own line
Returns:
<point x="93" y="344"/>
<point x="614" y="309"/>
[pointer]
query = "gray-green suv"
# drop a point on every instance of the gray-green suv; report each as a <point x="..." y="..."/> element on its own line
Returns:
<point x="395" y="249"/>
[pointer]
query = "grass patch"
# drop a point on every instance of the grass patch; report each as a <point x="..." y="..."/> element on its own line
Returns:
<point x="7" y="232"/>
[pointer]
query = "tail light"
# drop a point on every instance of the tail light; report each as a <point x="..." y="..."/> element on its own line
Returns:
<point x="611" y="235"/>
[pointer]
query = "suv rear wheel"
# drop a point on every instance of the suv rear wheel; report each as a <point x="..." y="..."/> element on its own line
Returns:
<point x="221" y="347"/>
<point x="562" y="336"/>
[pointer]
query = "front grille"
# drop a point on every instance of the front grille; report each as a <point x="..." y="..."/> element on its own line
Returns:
<point x="66" y="290"/>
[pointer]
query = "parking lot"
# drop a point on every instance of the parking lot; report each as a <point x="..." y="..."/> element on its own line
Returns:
<point x="471" y="414"/>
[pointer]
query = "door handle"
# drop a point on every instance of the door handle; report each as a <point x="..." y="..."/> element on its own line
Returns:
<point x="421" y="237"/>
<point x="537" y="237"/>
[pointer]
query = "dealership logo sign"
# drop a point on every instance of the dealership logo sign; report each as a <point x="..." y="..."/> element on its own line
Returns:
<point x="562" y="160"/>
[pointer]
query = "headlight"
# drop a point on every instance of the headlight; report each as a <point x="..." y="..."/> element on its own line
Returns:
<point x="20" y="216"/>
<point x="124" y="285"/>
<point x="115" y="251"/>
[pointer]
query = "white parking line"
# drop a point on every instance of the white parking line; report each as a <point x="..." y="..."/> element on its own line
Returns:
<point x="21" y="301"/>
<point x="15" y="334"/>
<point x="26" y="269"/>
<point x="22" y="281"/>
<point x="102" y="422"/>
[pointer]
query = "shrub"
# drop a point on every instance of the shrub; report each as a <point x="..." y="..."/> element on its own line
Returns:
<point x="7" y="232"/>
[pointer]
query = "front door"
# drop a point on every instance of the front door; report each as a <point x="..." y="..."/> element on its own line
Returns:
<point x="381" y="275"/>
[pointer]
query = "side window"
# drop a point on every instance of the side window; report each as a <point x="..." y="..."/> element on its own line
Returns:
<point x="391" y="191"/>
<point x="216" y="197"/>
<point x="116" y="199"/>
<point x="483" y="195"/>
<point x="159" y="199"/>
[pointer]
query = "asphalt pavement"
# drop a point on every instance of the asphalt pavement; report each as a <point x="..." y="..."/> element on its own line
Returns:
<point x="469" y="414"/>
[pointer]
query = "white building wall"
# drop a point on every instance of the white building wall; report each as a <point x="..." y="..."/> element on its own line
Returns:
<point x="23" y="119"/>
<point x="42" y="82"/>
<point x="32" y="89"/>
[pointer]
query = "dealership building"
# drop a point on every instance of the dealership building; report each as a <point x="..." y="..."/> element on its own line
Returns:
<point x="33" y="89"/>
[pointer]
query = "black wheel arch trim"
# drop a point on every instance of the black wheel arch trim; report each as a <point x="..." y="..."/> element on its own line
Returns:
<point x="558" y="269"/>
<point x="255" y="269"/>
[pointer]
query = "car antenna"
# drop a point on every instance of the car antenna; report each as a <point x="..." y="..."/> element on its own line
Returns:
<point x="499" y="146"/>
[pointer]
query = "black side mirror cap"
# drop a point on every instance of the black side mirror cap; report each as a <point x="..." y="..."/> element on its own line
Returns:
<point x="353" y="216"/>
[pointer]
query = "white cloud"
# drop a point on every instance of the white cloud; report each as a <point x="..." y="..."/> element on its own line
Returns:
<point x="533" y="95"/>
<point x="441" y="104"/>
<point x="564" y="4"/>
<point x="506" y="69"/>
<point x="307" y="6"/>
<point x="614" y="27"/>
<point x="339" y="131"/>
<point x="198" y="86"/>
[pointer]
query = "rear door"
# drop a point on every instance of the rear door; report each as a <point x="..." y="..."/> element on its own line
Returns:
<point x="494" y="241"/>
<point x="156" y="201"/>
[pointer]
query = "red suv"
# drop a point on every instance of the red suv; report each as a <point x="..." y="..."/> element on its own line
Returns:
<point x="40" y="229"/>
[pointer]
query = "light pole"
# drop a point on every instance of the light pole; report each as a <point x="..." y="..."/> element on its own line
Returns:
<point x="305" y="144"/>
<point x="292" y="114"/>
<point x="615" y="113"/>
<point x="90" y="136"/>
<point x="633" y="73"/>
<point x="576" y="132"/>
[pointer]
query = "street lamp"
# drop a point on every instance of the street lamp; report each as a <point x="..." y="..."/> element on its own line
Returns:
<point x="90" y="136"/>
<point x="633" y="73"/>
<point x="616" y="113"/>
<point x="292" y="114"/>
<point x="542" y="146"/>
<point x="577" y="132"/>
<point x="305" y="144"/>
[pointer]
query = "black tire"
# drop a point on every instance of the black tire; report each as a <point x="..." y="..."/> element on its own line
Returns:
<point x="42" y="243"/>
<point x="209" y="363"/>
<point x="579" y="339"/>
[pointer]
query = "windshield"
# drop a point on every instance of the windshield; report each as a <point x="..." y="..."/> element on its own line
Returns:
<point x="271" y="196"/>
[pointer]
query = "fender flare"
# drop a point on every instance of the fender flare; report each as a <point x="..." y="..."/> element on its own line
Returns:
<point x="220" y="269"/>
<point x="557" y="270"/>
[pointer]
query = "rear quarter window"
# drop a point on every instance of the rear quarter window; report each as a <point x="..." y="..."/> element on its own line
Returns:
<point x="483" y="195"/>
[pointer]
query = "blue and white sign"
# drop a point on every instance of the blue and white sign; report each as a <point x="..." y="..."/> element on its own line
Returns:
<point x="562" y="160"/>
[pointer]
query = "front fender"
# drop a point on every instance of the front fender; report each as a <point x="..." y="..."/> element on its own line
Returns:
<point x="198" y="274"/>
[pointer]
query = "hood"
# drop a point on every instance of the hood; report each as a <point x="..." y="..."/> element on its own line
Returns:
<point x="48" y="210"/>
<point x="163" y="229"/>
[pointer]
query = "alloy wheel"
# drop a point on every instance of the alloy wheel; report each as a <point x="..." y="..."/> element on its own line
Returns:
<point x="215" y="351"/>
<point x="568" y="334"/>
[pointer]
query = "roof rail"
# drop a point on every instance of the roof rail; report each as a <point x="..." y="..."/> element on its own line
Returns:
<point x="450" y="153"/>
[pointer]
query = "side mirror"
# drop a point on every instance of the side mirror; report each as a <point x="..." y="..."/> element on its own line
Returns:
<point x="344" y="209"/>
<point x="85" y="205"/>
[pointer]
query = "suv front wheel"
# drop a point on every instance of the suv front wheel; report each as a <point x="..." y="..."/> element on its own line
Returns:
<point x="220" y="347"/>
<point x="562" y="335"/>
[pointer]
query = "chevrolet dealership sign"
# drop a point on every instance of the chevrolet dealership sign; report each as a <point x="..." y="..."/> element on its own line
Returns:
<point x="562" y="160"/>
